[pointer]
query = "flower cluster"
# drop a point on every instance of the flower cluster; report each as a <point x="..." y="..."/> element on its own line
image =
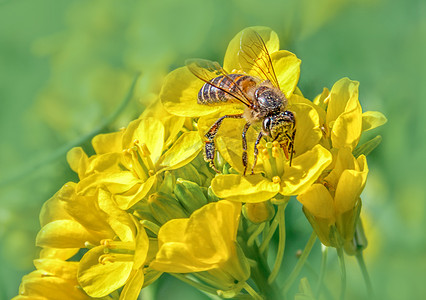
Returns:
<point x="146" y="202"/>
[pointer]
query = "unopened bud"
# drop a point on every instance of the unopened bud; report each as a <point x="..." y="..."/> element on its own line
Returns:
<point x="259" y="212"/>
<point x="189" y="194"/>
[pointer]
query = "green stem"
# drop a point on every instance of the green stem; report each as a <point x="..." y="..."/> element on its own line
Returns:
<point x="293" y="275"/>
<point x="343" y="273"/>
<point x="260" y="270"/>
<point x="254" y="235"/>
<point x="322" y="270"/>
<point x="252" y="292"/>
<point x="195" y="284"/>
<point x="281" y="244"/>
<point x="361" y="263"/>
<point x="272" y="228"/>
<point x="30" y="168"/>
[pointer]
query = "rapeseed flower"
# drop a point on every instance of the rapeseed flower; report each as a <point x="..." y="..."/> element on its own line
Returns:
<point x="146" y="202"/>
<point x="333" y="204"/>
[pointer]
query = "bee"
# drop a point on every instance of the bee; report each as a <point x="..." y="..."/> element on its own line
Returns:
<point x="261" y="95"/>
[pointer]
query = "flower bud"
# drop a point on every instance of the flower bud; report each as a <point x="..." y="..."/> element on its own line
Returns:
<point x="259" y="212"/>
<point x="165" y="207"/>
<point x="189" y="195"/>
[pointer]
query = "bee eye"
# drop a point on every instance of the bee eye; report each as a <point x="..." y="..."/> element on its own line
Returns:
<point x="267" y="124"/>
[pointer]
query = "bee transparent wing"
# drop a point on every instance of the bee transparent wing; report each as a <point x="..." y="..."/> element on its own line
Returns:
<point x="207" y="70"/>
<point x="254" y="52"/>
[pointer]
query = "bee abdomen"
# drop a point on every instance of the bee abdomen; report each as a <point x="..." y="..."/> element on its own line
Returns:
<point x="210" y="94"/>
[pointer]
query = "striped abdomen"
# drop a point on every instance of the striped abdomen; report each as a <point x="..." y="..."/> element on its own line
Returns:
<point x="209" y="94"/>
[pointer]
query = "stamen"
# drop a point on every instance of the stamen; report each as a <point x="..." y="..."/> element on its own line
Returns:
<point x="276" y="179"/>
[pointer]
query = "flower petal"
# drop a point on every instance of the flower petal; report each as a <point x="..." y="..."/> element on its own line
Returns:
<point x="346" y="130"/>
<point x="179" y="94"/>
<point x="305" y="169"/>
<point x="99" y="280"/>
<point x="204" y="241"/>
<point x="250" y="189"/>
<point x="287" y="70"/>
<point x="64" y="234"/>
<point x="182" y="151"/>
<point x="148" y="131"/>
<point x="349" y="188"/>
<point x="340" y="94"/>
<point x="318" y="201"/>
<point x="372" y="119"/>
<point x="108" y="142"/>
<point x="308" y="132"/>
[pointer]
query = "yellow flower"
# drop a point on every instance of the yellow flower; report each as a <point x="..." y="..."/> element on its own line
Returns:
<point x="343" y="122"/>
<point x="139" y="155"/>
<point x="53" y="279"/>
<point x="333" y="205"/>
<point x="206" y="241"/>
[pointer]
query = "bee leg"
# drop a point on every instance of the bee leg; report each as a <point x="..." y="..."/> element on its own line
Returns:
<point x="291" y="139"/>
<point x="244" y="156"/>
<point x="209" y="148"/>
<point x="256" y="151"/>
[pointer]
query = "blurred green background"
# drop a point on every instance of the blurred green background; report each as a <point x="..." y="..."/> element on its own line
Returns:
<point x="66" y="66"/>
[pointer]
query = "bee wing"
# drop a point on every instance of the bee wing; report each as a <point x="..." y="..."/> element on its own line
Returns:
<point x="255" y="53"/>
<point x="207" y="70"/>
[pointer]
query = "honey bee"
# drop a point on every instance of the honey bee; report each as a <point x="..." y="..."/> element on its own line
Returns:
<point x="264" y="101"/>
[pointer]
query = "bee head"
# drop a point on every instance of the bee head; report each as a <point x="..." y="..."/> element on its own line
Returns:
<point x="276" y="126"/>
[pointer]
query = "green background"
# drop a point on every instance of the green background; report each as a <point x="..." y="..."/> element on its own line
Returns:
<point x="65" y="67"/>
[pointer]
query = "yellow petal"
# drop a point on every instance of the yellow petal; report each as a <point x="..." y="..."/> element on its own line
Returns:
<point x="133" y="286"/>
<point x="99" y="280"/>
<point x="347" y="128"/>
<point x="204" y="241"/>
<point x="343" y="161"/>
<point x="57" y="267"/>
<point x="182" y="151"/>
<point x="287" y="70"/>
<point x="119" y="220"/>
<point x="142" y="246"/>
<point x="250" y="189"/>
<point x="37" y="285"/>
<point x="62" y="254"/>
<point x="305" y="170"/>
<point x="234" y="61"/>
<point x="148" y="131"/>
<point x="179" y="94"/>
<point x="372" y="119"/>
<point x="349" y="188"/>
<point x="340" y="94"/>
<point x="108" y="142"/>
<point x="54" y="208"/>
<point x="308" y="132"/>
<point x="130" y="197"/>
<point x="318" y="201"/>
<point x="78" y="160"/>
<point x="64" y="234"/>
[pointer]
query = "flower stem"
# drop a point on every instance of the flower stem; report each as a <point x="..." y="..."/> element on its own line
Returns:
<point x="361" y="263"/>
<point x="195" y="284"/>
<point x="269" y="235"/>
<point x="343" y="272"/>
<point x="254" y="235"/>
<point x="293" y="275"/>
<point x="281" y="243"/>
<point x="252" y="292"/>
<point x="322" y="270"/>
